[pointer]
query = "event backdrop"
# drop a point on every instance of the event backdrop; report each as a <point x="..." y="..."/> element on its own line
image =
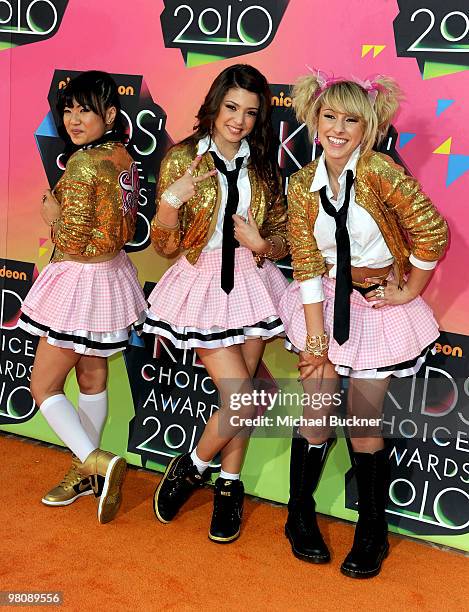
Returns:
<point x="164" y="55"/>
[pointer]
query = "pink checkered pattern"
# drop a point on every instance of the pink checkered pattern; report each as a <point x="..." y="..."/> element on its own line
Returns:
<point x="379" y="337"/>
<point x="190" y="295"/>
<point x="99" y="297"/>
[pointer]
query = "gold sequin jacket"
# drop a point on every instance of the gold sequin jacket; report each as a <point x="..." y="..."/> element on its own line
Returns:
<point x="197" y="217"/>
<point x="407" y="219"/>
<point x="98" y="197"/>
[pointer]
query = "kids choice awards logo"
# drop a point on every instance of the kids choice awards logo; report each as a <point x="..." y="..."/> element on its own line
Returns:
<point x="173" y="396"/>
<point x="148" y="142"/>
<point x="426" y="421"/>
<point x="28" y="21"/>
<point x="295" y="148"/>
<point x="436" y="33"/>
<point x="17" y="349"/>
<point x="211" y="30"/>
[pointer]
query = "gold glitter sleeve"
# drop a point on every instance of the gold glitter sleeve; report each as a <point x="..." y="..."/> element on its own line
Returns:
<point x="418" y="217"/>
<point x="275" y="225"/>
<point x="166" y="240"/>
<point x="307" y="260"/>
<point x="72" y="232"/>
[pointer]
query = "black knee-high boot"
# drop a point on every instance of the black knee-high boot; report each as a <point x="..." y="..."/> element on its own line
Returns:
<point x="370" y="543"/>
<point x="301" y="527"/>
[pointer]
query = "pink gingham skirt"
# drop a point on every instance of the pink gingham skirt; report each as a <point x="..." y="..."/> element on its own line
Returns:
<point x="189" y="307"/>
<point x="379" y="337"/>
<point x="87" y="307"/>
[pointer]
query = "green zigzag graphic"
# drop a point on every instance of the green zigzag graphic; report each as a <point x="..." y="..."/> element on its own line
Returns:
<point x="199" y="59"/>
<point x="432" y="70"/>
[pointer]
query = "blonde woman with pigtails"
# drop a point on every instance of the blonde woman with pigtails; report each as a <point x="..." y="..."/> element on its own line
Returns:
<point x="364" y="242"/>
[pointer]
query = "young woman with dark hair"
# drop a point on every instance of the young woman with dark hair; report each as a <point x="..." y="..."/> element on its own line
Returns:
<point x="84" y="303"/>
<point x="220" y="199"/>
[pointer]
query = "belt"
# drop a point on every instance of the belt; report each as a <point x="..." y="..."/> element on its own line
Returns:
<point x="359" y="275"/>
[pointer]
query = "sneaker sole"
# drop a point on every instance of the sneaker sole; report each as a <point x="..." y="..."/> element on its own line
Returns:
<point x="67" y="502"/>
<point x="112" y="485"/>
<point x="157" y="492"/>
<point x="220" y="540"/>
<point x="303" y="557"/>
<point x="364" y="575"/>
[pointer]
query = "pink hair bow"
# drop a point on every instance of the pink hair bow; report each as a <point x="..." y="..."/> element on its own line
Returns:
<point x="325" y="81"/>
<point x="370" y="85"/>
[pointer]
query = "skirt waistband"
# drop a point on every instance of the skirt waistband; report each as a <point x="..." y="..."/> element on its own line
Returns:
<point x="210" y="261"/>
<point x="108" y="264"/>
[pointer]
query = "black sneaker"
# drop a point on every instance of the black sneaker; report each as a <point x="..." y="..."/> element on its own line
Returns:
<point x="227" y="511"/>
<point x="179" y="481"/>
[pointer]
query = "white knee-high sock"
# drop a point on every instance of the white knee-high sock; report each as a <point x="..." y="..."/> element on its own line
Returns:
<point x="92" y="410"/>
<point x="64" y="420"/>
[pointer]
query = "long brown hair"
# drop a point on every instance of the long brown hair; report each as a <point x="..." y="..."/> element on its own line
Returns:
<point x="262" y="141"/>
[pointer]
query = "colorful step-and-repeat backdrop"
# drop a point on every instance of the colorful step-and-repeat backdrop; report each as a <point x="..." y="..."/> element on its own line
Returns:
<point x="164" y="54"/>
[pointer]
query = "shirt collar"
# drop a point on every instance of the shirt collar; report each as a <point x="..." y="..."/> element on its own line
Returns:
<point x="321" y="178"/>
<point x="208" y="144"/>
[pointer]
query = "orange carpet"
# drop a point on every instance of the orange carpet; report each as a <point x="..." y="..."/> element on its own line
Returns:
<point x="135" y="563"/>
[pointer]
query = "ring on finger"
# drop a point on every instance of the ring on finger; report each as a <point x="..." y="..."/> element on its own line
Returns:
<point x="379" y="292"/>
<point x="189" y="171"/>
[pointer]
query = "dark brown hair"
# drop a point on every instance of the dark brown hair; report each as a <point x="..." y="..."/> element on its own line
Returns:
<point x="262" y="141"/>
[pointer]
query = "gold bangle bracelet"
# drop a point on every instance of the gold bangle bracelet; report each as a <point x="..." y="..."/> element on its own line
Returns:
<point x="261" y="257"/>
<point x="317" y="345"/>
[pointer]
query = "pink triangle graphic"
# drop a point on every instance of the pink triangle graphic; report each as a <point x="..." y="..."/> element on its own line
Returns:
<point x="42" y="241"/>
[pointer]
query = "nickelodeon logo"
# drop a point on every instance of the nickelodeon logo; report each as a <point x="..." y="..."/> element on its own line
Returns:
<point x="7" y="273"/>
<point x="282" y="100"/>
<point x="122" y="89"/>
<point x="448" y="350"/>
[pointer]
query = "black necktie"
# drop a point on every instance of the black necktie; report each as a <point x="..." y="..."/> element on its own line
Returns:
<point x="229" y="242"/>
<point x="343" y="283"/>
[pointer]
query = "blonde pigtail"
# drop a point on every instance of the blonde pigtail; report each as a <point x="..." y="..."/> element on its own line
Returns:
<point x="386" y="104"/>
<point x="304" y="101"/>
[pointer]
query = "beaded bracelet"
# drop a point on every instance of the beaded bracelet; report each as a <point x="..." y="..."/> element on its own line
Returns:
<point x="170" y="198"/>
<point x="317" y="345"/>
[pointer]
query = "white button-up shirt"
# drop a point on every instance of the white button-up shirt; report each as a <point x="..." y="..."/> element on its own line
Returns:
<point x="244" y="187"/>
<point x="368" y="248"/>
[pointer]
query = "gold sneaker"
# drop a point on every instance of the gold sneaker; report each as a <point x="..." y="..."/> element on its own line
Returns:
<point x="73" y="486"/>
<point x="112" y="469"/>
